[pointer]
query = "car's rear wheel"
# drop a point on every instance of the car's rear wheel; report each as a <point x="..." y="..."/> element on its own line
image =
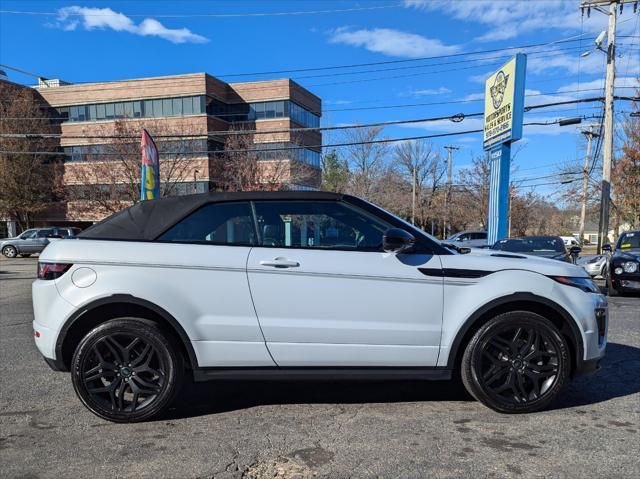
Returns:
<point x="517" y="362"/>
<point x="10" y="251"/>
<point x="126" y="370"/>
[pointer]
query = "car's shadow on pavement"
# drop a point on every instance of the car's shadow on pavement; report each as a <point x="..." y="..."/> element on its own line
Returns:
<point x="619" y="376"/>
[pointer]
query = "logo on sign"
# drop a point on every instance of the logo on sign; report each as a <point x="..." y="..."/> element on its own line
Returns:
<point x="498" y="89"/>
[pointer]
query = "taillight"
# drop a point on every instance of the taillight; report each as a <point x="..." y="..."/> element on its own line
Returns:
<point x="52" y="270"/>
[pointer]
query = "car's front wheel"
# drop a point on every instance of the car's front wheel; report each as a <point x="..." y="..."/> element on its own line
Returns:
<point x="10" y="251"/>
<point x="126" y="370"/>
<point x="517" y="362"/>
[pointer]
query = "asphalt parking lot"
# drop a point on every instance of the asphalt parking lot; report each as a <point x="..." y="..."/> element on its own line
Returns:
<point x="314" y="429"/>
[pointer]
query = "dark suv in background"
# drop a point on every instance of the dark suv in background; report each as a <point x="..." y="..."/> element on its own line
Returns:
<point x="34" y="240"/>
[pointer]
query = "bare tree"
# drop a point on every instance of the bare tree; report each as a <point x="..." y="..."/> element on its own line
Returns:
<point x="107" y="178"/>
<point x="626" y="175"/>
<point x="366" y="161"/>
<point x="28" y="182"/>
<point x="470" y="204"/>
<point x="245" y="165"/>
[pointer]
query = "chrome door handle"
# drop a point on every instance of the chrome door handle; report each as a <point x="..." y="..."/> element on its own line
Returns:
<point x="280" y="263"/>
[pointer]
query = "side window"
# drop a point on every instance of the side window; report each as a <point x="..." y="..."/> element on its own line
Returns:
<point x="28" y="234"/>
<point x="479" y="236"/>
<point x="216" y="223"/>
<point x="329" y="225"/>
<point x="464" y="237"/>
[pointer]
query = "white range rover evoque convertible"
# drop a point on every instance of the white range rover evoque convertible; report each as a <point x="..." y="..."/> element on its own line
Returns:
<point x="303" y="285"/>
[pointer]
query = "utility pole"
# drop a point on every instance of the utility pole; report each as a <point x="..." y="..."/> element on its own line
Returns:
<point x="413" y="194"/>
<point x="590" y="134"/>
<point x="450" y="149"/>
<point x="608" y="147"/>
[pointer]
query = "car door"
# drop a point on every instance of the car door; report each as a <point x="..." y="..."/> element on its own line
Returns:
<point x="327" y="295"/>
<point x="210" y="292"/>
<point x="28" y="242"/>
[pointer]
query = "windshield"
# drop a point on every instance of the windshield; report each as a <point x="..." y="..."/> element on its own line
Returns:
<point x="629" y="241"/>
<point x="531" y="244"/>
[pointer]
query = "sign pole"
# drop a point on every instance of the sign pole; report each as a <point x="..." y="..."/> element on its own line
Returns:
<point x="500" y="158"/>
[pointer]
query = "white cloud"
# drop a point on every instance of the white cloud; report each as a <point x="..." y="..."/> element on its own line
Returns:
<point x="505" y="20"/>
<point x="392" y="42"/>
<point x="106" y="18"/>
<point x="429" y="91"/>
<point x="624" y="83"/>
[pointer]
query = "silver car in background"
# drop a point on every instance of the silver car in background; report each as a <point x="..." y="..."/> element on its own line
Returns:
<point x="469" y="239"/>
<point x="34" y="240"/>
<point x="594" y="265"/>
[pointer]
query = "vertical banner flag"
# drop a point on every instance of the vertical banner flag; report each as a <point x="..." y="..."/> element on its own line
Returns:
<point x="150" y="180"/>
<point x="503" y="112"/>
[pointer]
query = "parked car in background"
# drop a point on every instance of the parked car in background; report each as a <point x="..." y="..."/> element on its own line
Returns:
<point x="570" y="241"/>
<point x="470" y="239"/>
<point x="303" y="285"/>
<point x="623" y="269"/>
<point x="551" y="247"/>
<point x="594" y="265"/>
<point x="34" y="240"/>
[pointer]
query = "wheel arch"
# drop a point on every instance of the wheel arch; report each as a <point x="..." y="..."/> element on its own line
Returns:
<point x="519" y="302"/>
<point x="114" y="306"/>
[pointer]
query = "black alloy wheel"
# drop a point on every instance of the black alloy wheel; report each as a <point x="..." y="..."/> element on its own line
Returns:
<point x="126" y="370"/>
<point x="516" y="362"/>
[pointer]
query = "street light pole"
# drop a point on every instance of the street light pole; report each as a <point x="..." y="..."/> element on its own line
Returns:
<point x="449" y="149"/>
<point x="607" y="158"/>
<point x="608" y="147"/>
<point x="590" y="134"/>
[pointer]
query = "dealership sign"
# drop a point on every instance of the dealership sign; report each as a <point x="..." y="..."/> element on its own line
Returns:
<point x="504" y="103"/>
<point x="503" y="110"/>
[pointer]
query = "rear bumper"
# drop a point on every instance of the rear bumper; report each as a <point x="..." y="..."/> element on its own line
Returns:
<point x="56" y="364"/>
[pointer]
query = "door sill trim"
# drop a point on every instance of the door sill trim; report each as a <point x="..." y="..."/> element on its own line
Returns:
<point x="322" y="374"/>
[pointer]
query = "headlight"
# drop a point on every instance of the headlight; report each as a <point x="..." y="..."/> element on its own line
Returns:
<point x="585" y="284"/>
<point x="618" y="270"/>
<point x="630" y="267"/>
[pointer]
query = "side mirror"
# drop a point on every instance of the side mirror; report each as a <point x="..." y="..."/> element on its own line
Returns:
<point x="397" y="240"/>
<point x="606" y="248"/>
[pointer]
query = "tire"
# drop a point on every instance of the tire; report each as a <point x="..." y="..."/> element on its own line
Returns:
<point x="126" y="370"/>
<point x="611" y="290"/>
<point x="518" y="375"/>
<point x="10" y="251"/>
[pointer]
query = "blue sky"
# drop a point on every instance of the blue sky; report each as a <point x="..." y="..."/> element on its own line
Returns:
<point x="109" y="40"/>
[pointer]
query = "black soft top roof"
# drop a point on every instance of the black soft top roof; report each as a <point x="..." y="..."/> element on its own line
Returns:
<point x="146" y="220"/>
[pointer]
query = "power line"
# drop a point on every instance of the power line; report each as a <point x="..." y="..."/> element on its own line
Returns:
<point x="284" y="148"/>
<point x="206" y="15"/>
<point x="456" y="118"/>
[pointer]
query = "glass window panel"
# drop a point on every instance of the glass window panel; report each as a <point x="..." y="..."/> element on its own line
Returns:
<point x="199" y="104"/>
<point x="148" y="108"/>
<point x="177" y="106"/>
<point x="187" y="106"/>
<point x="270" y="109"/>
<point x="326" y="225"/>
<point x="279" y="106"/>
<point x="91" y="112"/>
<point x="157" y="108"/>
<point x="128" y="109"/>
<point x="259" y="108"/>
<point x="100" y="112"/>
<point x="119" y="110"/>
<point x="167" y="107"/>
<point x="109" y="111"/>
<point x="137" y="109"/>
<point x="219" y="223"/>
